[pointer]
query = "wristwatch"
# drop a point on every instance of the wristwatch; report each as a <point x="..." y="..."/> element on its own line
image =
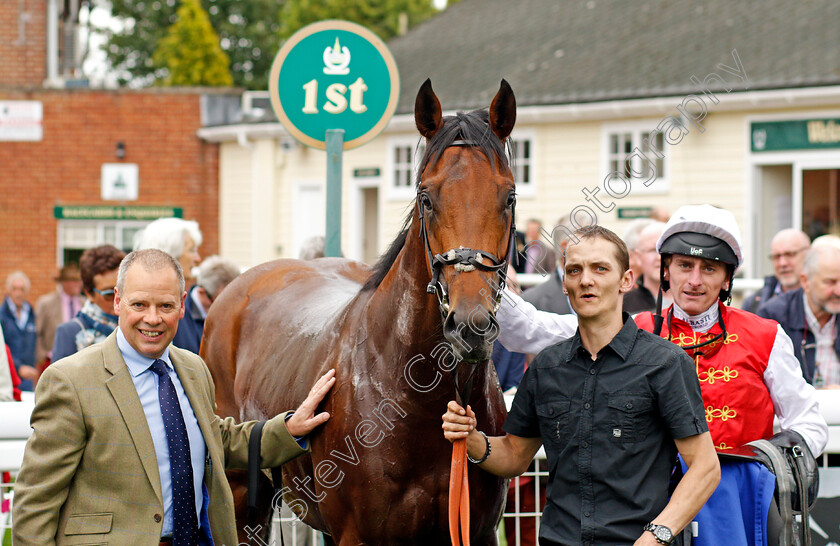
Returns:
<point x="662" y="534"/>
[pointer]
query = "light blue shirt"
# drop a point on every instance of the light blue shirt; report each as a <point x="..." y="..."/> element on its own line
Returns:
<point x="146" y="381"/>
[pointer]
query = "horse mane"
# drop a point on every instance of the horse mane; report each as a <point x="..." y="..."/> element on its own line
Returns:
<point x="472" y="127"/>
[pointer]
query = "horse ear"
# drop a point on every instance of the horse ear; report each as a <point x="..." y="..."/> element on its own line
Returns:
<point x="427" y="113"/>
<point x="503" y="111"/>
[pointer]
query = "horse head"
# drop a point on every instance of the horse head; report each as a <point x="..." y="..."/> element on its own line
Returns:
<point x="465" y="205"/>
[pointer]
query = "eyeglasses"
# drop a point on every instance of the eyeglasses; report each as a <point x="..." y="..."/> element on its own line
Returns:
<point x="790" y="254"/>
<point x="107" y="294"/>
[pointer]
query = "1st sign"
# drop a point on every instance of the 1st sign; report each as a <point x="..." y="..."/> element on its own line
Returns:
<point x="334" y="75"/>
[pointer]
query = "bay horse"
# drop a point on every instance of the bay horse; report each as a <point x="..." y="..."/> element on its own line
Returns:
<point x="378" y="471"/>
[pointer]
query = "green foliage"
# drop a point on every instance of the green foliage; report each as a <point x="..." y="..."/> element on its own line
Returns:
<point x="190" y="51"/>
<point x="382" y="17"/>
<point x="250" y="31"/>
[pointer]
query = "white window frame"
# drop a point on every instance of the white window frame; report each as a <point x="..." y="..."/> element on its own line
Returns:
<point x="96" y="229"/>
<point x="402" y="192"/>
<point x="638" y="131"/>
<point x="524" y="188"/>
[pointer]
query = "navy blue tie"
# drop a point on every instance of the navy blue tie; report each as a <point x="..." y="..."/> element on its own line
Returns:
<point x="184" y="521"/>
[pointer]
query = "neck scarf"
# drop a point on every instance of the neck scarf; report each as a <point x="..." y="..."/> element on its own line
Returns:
<point x="96" y="325"/>
<point x="699" y="323"/>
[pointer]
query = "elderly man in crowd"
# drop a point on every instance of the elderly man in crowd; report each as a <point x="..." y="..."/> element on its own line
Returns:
<point x="809" y="316"/>
<point x="214" y="274"/>
<point x="56" y="308"/>
<point x="178" y="238"/>
<point x="643" y="295"/>
<point x="17" y="318"/>
<point x="787" y="251"/>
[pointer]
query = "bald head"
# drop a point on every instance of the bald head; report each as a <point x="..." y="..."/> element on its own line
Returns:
<point x="821" y="281"/>
<point x="787" y="250"/>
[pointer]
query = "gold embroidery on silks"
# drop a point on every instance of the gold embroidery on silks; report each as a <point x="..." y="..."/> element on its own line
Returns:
<point x="727" y="374"/>
<point x="723" y="446"/>
<point x="724" y="414"/>
<point x="683" y="340"/>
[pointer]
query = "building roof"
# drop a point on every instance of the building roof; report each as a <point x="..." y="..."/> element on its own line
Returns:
<point x="563" y="51"/>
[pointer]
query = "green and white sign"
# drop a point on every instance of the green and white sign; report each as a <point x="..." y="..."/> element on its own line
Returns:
<point x="800" y="134"/>
<point x="334" y="75"/>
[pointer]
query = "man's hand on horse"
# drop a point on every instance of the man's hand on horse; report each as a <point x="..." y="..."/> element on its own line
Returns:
<point x="304" y="420"/>
<point x="457" y="422"/>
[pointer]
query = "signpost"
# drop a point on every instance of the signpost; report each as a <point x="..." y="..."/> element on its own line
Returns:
<point x="334" y="86"/>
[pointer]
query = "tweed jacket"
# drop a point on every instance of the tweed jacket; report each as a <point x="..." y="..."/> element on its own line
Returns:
<point x="89" y="474"/>
<point x="48" y="315"/>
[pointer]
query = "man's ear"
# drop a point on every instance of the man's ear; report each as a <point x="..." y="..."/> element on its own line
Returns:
<point x="116" y="301"/>
<point x="626" y="282"/>
<point x="183" y="300"/>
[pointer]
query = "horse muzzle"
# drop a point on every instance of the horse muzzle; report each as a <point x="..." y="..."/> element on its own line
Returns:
<point x="471" y="334"/>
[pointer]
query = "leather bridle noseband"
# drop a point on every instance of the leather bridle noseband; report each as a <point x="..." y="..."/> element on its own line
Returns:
<point x="464" y="259"/>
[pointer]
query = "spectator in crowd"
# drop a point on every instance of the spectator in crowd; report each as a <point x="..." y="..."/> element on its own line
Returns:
<point x="96" y="320"/>
<point x="178" y="238"/>
<point x="631" y="239"/>
<point x="214" y="274"/>
<point x="56" y="308"/>
<point x="747" y="368"/>
<point x="17" y="318"/>
<point x="610" y="463"/>
<point x="787" y="251"/>
<point x="643" y="295"/>
<point x="509" y="366"/>
<point x="312" y="248"/>
<point x="539" y="257"/>
<point x="125" y="445"/>
<point x="660" y="214"/>
<point x="549" y="295"/>
<point x="809" y="316"/>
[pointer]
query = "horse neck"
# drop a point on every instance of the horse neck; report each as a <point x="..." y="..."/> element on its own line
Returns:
<point x="401" y="299"/>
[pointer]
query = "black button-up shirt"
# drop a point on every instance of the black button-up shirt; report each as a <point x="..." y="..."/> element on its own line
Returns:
<point x="608" y="427"/>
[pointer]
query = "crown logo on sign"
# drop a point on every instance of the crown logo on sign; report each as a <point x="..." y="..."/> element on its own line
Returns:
<point x="336" y="59"/>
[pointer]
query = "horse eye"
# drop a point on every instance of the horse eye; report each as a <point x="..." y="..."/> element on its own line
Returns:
<point x="511" y="200"/>
<point x="426" y="202"/>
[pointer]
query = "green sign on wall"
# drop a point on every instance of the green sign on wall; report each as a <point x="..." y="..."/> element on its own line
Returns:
<point x="334" y="75"/>
<point x="802" y="134"/>
<point x="104" y="212"/>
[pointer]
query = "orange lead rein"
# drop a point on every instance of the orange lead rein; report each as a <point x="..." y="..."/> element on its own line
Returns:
<point x="459" y="494"/>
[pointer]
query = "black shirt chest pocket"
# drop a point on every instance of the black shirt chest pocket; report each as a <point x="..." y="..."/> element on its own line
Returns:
<point x="554" y="420"/>
<point x="629" y="416"/>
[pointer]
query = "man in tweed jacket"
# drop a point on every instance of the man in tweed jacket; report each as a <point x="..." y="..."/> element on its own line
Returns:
<point x="91" y="472"/>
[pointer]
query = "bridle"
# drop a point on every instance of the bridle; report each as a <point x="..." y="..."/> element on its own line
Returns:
<point x="464" y="259"/>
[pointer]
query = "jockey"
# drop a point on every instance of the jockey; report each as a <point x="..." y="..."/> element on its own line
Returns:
<point x="746" y="366"/>
<point x="747" y="369"/>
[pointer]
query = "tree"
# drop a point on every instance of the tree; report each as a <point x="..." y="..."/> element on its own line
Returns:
<point x="248" y="32"/>
<point x="190" y="52"/>
<point x="384" y="17"/>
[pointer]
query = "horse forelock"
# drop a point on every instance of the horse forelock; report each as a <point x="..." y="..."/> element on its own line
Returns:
<point x="472" y="127"/>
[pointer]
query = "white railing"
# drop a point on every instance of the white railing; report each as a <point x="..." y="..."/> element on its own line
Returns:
<point x="15" y="430"/>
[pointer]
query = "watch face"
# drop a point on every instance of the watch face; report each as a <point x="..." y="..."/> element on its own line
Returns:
<point x="663" y="533"/>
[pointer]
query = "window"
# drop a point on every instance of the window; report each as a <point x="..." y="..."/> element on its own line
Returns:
<point x="634" y="152"/>
<point x="76" y="236"/>
<point x="522" y="161"/>
<point x="521" y="152"/>
<point x="404" y="157"/>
